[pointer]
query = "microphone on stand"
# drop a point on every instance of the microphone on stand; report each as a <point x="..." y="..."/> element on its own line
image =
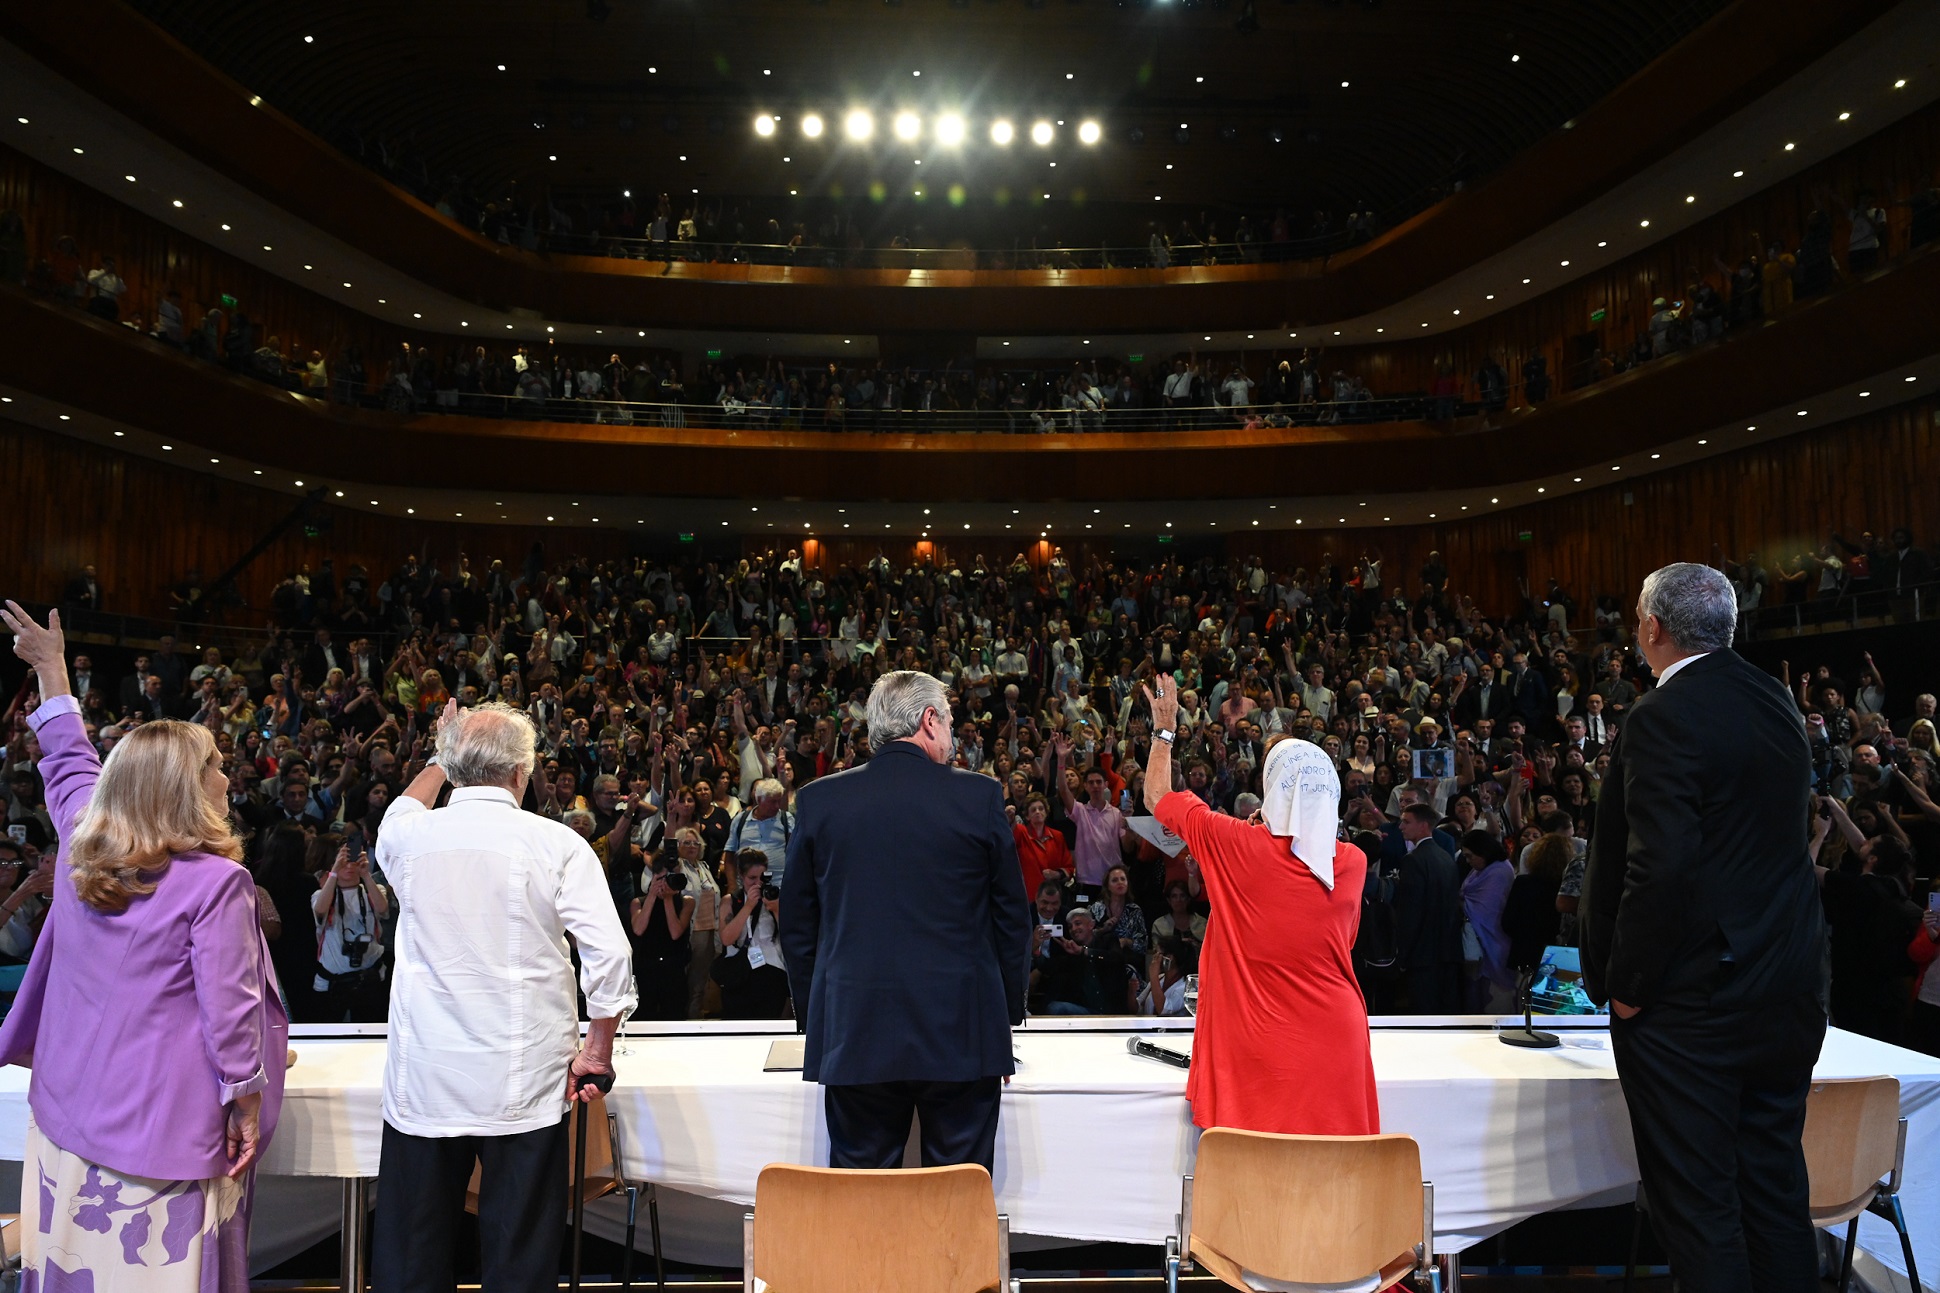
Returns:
<point x="1527" y="1035"/>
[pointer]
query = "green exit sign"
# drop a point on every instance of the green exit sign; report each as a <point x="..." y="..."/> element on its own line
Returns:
<point x="1597" y="315"/>
<point x="1136" y="359"/>
<point x="686" y="538"/>
<point x="1165" y="538"/>
<point x="1525" y="536"/>
<point x="713" y="354"/>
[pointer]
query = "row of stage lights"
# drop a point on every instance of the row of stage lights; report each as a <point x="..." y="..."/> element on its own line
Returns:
<point x="949" y="130"/>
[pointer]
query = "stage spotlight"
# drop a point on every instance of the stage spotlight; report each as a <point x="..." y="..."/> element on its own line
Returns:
<point x="812" y="126"/>
<point x="1089" y="133"/>
<point x="1001" y="133"/>
<point x="859" y="125"/>
<point x="1042" y="134"/>
<point x="949" y="130"/>
<point x="908" y="126"/>
<point x="764" y="125"/>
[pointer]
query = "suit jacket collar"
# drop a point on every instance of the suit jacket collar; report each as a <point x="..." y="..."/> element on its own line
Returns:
<point x="1699" y="665"/>
<point x="901" y="749"/>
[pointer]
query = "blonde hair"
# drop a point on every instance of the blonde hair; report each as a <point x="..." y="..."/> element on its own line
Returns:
<point x="148" y="807"/>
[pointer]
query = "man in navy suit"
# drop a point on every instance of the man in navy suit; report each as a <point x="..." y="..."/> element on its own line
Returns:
<point x="907" y="936"/>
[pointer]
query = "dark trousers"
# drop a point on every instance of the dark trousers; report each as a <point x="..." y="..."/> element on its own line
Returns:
<point x="521" y="1210"/>
<point x="869" y="1123"/>
<point x="1433" y="990"/>
<point x="1717" y="1108"/>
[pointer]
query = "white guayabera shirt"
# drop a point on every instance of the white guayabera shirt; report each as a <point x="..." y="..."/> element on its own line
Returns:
<point x="484" y="1023"/>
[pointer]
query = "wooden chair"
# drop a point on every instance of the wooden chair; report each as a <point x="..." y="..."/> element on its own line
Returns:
<point x="604" y="1177"/>
<point x="1855" y="1151"/>
<point x="913" y="1230"/>
<point x="1307" y="1209"/>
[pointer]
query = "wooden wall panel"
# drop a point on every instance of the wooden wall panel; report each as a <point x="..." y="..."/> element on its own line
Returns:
<point x="60" y="495"/>
<point x="1778" y="499"/>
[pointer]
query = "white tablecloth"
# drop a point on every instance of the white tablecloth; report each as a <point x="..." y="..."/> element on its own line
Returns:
<point x="1093" y="1141"/>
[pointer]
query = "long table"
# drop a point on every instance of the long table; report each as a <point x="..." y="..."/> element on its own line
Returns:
<point x="1093" y="1140"/>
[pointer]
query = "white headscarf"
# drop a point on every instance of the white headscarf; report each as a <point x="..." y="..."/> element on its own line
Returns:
<point x="1302" y="803"/>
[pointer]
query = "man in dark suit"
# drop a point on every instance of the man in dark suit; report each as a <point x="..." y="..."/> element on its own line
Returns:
<point x="1701" y="927"/>
<point x="1488" y="698"/>
<point x="1428" y="917"/>
<point x="907" y="936"/>
<point x="323" y="656"/>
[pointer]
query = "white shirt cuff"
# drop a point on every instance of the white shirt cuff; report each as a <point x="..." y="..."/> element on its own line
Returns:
<point x="50" y="709"/>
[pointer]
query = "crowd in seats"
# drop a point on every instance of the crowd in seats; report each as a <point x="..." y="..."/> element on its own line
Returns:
<point x="683" y="704"/>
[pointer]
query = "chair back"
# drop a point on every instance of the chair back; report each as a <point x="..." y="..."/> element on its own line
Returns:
<point x="602" y="1177"/>
<point x="1852" y="1128"/>
<point x="1305" y="1209"/>
<point x="914" y="1230"/>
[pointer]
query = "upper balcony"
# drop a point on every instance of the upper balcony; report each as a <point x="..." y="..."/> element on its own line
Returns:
<point x="1581" y="150"/>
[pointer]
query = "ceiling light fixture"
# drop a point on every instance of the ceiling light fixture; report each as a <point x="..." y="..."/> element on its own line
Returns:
<point x="1042" y="134"/>
<point x="858" y="125"/>
<point x="908" y="126"/>
<point x="1090" y="132"/>
<point x="1002" y="132"/>
<point x="812" y="126"/>
<point x="764" y="125"/>
<point x="949" y="129"/>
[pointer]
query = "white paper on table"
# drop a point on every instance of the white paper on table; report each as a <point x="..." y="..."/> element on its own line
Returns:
<point x="1153" y="832"/>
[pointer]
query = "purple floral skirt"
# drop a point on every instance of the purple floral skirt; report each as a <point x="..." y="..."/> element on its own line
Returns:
<point x="86" y="1229"/>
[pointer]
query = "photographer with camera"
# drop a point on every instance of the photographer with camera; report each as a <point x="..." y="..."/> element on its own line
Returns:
<point x="659" y="919"/>
<point x="349" y="909"/>
<point x="753" y="979"/>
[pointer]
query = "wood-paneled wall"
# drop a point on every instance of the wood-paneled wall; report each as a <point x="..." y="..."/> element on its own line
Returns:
<point x="145" y="525"/>
<point x="1778" y="499"/>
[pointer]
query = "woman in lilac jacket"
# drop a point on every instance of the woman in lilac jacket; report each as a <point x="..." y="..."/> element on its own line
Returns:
<point x="149" y="1014"/>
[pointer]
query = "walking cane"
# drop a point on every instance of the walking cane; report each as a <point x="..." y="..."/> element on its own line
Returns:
<point x="604" y="1081"/>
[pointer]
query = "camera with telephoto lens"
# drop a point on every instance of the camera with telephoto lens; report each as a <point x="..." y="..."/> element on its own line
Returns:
<point x="770" y="892"/>
<point x="355" y="949"/>
<point x="676" y="880"/>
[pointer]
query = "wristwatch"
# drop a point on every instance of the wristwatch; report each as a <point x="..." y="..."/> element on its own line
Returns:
<point x="1168" y="735"/>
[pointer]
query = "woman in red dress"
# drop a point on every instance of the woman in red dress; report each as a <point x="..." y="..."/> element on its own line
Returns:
<point x="1281" y="1042"/>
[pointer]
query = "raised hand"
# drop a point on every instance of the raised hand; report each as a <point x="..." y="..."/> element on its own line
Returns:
<point x="42" y="649"/>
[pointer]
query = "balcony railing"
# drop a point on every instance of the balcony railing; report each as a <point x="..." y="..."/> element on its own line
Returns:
<point x="735" y="413"/>
<point x="1055" y="258"/>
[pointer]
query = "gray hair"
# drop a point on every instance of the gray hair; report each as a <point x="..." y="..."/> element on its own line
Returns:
<point x="1246" y="805"/>
<point x="897" y="702"/>
<point x="579" y="815"/>
<point x="1696" y="605"/>
<point x="765" y="787"/>
<point x="488" y="745"/>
